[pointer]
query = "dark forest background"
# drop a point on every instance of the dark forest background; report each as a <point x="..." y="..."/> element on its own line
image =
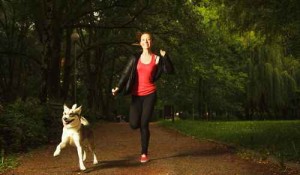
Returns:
<point x="234" y="60"/>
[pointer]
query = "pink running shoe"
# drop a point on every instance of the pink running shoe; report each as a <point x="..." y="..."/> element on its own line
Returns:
<point x="144" y="158"/>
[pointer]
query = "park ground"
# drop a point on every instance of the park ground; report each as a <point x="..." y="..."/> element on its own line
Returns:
<point x="171" y="153"/>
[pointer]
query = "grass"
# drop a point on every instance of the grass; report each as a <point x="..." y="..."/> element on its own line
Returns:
<point x="7" y="163"/>
<point x="278" y="138"/>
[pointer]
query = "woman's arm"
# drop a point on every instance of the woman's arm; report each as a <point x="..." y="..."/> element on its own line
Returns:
<point x="124" y="77"/>
<point x="167" y="65"/>
<point x="164" y="65"/>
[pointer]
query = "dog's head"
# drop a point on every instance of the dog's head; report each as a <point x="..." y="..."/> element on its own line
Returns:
<point x="71" y="116"/>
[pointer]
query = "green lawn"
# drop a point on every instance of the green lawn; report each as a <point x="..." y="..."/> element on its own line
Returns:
<point x="278" y="138"/>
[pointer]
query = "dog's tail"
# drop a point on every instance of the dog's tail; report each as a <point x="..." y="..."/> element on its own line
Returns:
<point x="84" y="121"/>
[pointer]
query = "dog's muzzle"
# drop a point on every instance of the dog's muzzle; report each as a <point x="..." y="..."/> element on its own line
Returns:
<point x="68" y="121"/>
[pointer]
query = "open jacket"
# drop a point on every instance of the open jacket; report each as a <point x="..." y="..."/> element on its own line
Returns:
<point x="127" y="79"/>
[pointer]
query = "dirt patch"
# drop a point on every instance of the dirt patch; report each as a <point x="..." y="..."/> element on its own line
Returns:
<point x="171" y="153"/>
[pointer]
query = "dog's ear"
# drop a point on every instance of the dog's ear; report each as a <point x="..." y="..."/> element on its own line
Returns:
<point x="84" y="121"/>
<point x="74" y="106"/>
<point x="65" y="107"/>
<point x="78" y="110"/>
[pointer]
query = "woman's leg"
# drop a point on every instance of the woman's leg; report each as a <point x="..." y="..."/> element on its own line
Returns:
<point x="148" y="107"/>
<point x="135" y="112"/>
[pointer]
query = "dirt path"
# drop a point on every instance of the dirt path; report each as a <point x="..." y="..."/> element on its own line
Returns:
<point x="171" y="153"/>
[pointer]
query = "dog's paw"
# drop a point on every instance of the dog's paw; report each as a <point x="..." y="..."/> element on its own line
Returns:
<point x="82" y="168"/>
<point x="95" y="162"/>
<point x="56" y="153"/>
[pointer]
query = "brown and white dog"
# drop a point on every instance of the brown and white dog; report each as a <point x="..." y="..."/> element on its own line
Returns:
<point x="76" y="133"/>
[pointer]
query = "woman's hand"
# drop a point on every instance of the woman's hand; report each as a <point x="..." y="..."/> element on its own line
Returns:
<point x="162" y="52"/>
<point x="115" y="91"/>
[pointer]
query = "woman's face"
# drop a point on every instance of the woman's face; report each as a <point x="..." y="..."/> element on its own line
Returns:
<point x="146" y="41"/>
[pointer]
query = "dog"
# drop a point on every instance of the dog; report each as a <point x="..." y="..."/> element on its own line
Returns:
<point x="76" y="133"/>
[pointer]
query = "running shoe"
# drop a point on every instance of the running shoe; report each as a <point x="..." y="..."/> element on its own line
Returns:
<point x="144" y="158"/>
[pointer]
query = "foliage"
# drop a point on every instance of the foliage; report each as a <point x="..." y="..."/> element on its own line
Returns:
<point x="253" y="52"/>
<point x="22" y="126"/>
<point x="231" y="58"/>
<point x="272" y="84"/>
<point x="19" y="71"/>
<point x="278" y="138"/>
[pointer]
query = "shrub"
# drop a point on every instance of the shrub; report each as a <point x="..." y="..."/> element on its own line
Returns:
<point x="22" y="125"/>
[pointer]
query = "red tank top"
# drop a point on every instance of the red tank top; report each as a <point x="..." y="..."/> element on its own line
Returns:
<point x="143" y="82"/>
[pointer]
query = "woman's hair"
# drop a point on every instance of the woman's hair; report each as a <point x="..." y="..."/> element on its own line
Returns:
<point x="139" y="35"/>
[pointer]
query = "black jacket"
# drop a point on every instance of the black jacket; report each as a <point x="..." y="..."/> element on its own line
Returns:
<point x="127" y="79"/>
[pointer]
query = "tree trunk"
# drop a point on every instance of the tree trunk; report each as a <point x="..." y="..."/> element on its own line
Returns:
<point x="55" y="55"/>
<point x="66" y="64"/>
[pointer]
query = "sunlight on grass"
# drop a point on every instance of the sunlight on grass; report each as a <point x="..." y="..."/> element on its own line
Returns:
<point x="278" y="138"/>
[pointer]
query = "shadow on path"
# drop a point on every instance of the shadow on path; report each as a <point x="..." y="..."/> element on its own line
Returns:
<point x="126" y="162"/>
<point x="198" y="153"/>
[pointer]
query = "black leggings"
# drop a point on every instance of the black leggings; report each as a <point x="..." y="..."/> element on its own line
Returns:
<point x="141" y="110"/>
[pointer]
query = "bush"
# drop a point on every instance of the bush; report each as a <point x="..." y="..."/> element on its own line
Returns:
<point x="22" y="125"/>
